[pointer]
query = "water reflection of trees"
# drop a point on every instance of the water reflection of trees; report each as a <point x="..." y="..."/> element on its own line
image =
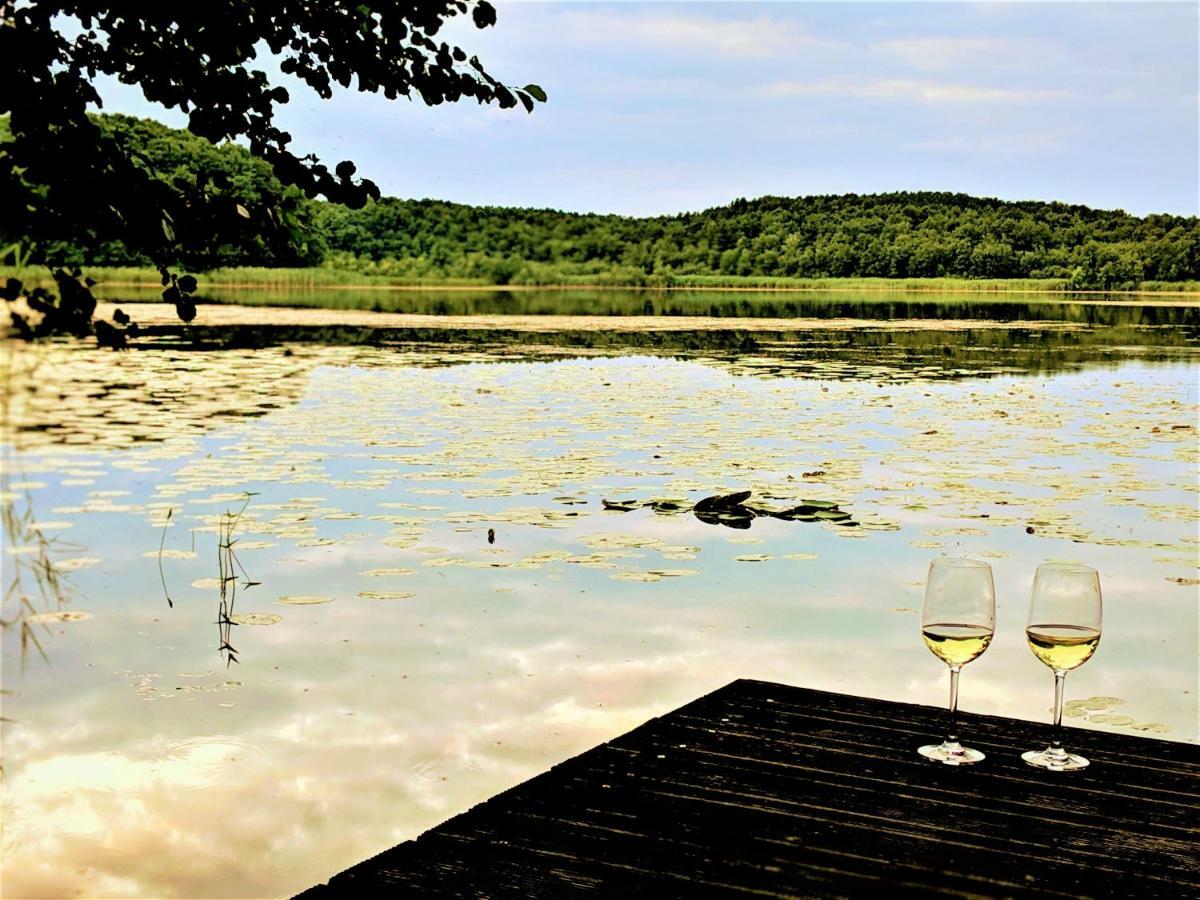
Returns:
<point x="721" y="304"/>
<point x="86" y="398"/>
<point x="974" y="353"/>
<point x="34" y="585"/>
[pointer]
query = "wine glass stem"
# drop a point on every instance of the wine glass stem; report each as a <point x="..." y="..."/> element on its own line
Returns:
<point x="1060" y="677"/>
<point x="951" y="723"/>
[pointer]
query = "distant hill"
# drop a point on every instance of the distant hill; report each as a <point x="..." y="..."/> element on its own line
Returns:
<point x="897" y="235"/>
<point x="900" y="235"/>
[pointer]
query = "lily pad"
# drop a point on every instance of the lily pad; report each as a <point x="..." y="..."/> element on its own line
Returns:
<point x="621" y="505"/>
<point x="63" y="615"/>
<point x="832" y="515"/>
<point x="1110" y="719"/>
<point x="722" y="502"/>
<point x="171" y="554"/>
<point x="51" y="526"/>
<point x="77" y="562"/>
<point x="256" y="619"/>
<point x="728" y="519"/>
<point x="303" y="599"/>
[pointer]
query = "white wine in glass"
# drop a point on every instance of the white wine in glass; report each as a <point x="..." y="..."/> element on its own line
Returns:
<point x="1063" y="632"/>
<point x="957" y="624"/>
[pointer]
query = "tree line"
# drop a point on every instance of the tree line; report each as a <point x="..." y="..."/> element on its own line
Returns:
<point x="895" y="235"/>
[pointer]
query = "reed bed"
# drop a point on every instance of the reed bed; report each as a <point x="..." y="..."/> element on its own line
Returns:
<point x="324" y="277"/>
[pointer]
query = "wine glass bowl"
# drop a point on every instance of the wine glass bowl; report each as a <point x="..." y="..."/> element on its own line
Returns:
<point x="1064" y="647"/>
<point x="1063" y="631"/>
<point x="958" y="621"/>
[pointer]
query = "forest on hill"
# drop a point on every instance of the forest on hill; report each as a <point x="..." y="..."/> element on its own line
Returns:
<point x="896" y="235"/>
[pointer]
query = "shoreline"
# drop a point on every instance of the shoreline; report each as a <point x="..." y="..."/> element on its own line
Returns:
<point x="162" y="315"/>
<point x="899" y="288"/>
<point x="319" y="279"/>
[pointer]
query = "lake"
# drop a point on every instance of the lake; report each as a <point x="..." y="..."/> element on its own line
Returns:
<point x="443" y="605"/>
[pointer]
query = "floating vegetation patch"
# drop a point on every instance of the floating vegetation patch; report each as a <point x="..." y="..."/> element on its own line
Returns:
<point x="386" y="595"/>
<point x="303" y="599"/>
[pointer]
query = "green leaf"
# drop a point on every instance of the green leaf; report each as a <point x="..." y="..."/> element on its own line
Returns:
<point x="832" y="515"/>
<point x="484" y="14"/>
<point x="535" y="91"/>
<point x="620" y="505"/>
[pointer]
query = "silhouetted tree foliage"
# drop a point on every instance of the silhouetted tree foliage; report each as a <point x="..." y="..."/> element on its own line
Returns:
<point x="250" y="219"/>
<point x="65" y="176"/>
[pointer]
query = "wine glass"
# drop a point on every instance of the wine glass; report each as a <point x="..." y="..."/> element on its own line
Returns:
<point x="957" y="623"/>
<point x="1063" y="632"/>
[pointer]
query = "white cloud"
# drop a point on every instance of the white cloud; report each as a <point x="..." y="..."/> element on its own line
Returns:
<point x="922" y="91"/>
<point x="701" y="36"/>
<point x="1037" y="143"/>
<point x="940" y="53"/>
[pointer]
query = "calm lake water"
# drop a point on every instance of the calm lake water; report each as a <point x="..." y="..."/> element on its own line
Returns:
<point x="394" y="667"/>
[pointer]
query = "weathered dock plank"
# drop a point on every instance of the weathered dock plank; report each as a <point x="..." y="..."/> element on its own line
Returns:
<point x="760" y="789"/>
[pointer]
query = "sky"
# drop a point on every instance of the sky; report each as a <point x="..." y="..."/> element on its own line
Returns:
<point x="670" y="107"/>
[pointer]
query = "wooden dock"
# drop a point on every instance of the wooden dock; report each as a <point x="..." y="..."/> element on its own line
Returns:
<point x="762" y="789"/>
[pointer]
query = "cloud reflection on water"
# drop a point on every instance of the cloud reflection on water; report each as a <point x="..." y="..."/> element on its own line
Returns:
<point x="137" y="768"/>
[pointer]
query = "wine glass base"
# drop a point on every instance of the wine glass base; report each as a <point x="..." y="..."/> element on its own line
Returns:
<point x="952" y="754"/>
<point x="1055" y="759"/>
